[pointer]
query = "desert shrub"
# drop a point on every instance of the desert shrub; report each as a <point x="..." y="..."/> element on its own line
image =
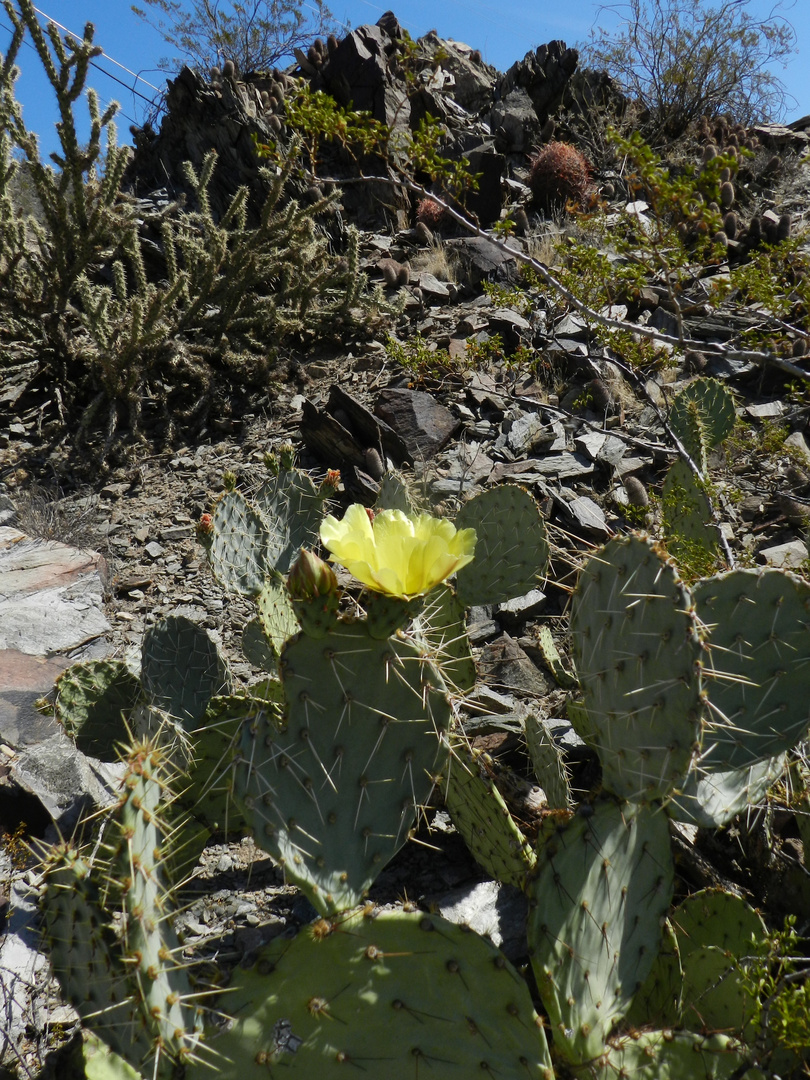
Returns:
<point x="682" y="59"/>
<point x="559" y="174"/>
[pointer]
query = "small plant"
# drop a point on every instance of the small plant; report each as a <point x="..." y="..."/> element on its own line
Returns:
<point x="418" y="357"/>
<point x="559" y="174"/>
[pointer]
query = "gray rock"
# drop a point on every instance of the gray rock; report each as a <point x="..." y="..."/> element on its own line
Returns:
<point x="786" y="556"/>
<point x="495" y="911"/>
<point x="504" y="664"/>
<point x="588" y="515"/>
<point x="422" y="423"/>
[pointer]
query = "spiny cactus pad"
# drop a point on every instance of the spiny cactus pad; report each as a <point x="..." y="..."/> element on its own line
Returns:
<point x="181" y="669"/>
<point x="94" y="698"/>
<point x="440" y="626"/>
<point x="82" y="948"/>
<point x="658" y="1003"/>
<point x="276" y="613"/>
<point x="687" y="520"/>
<point x="484" y="821"/>
<point x="239" y="544"/>
<point x="292" y="508"/>
<point x="675" y="1055"/>
<point x="334" y="796"/>
<point x="150" y="944"/>
<point x="548" y="763"/>
<point x="710" y="797"/>
<point x="602" y="885"/>
<point x="397" y="995"/>
<point x="101" y="1063"/>
<point x="758" y="671"/>
<point x="717" y="934"/>
<point x="637" y="655"/>
<point x="712" y="404"/>
<point x="511" y="552"/>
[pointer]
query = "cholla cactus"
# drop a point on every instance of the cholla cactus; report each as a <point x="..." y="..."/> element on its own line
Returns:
<point x="559" y="174"/>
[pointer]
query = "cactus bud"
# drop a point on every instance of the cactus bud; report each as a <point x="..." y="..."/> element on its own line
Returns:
<point x="205" y="529"/>
<point x="330" y="483"/>
<point x="229" y="480"/>
<point x="310" y="577"/>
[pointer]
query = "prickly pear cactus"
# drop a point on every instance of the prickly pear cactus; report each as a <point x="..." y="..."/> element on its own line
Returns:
<point x="674" y="1055"/>
<point x="483" y="819"/>
<point x="548" y="763"/>
<point x="440" y="626"/>
<point x="638" y="656"/>
<point x="702" y="416"/>
<point x="292" y="508"/>
<point x="687" y="521"/>
<point x="711" y="796"/>
<point x="83" y="947"/>
<point x="94" y="698"/>
<point x="602" y="885"/>
<point x="102" y="1063"/>
<point x="247" y="541"/>
<point x="181" y="669"/>
<point x="511" y="552"/>
<point x="717" y="933"/>
<point x="158" y="978"/>
<point x="758" y="670"/>
<point x="238" y="545"/>
<point x="391" y="994"/>
<point x="335" y="794"/>
<point x="276" y="614"/>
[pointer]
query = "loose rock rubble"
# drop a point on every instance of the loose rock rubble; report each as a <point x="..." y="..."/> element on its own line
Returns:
<point x="86" y="567"/>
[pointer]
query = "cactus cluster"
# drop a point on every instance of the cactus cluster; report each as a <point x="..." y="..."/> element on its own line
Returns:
<point x="690" y="697"/>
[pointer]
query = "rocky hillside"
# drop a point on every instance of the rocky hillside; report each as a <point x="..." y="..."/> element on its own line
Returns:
<point x="471" y="361"/>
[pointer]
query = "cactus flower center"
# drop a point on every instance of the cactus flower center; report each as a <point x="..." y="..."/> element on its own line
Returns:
<point x="397" y="554"/>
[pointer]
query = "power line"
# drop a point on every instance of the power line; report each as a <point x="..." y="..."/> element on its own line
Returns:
<point x="79" y="37"/>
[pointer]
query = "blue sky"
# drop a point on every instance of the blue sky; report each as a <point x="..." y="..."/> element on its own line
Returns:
<point x="503" y="32"/>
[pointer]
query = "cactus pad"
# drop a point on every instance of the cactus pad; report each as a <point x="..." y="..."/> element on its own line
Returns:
<point x="758" y="671"/>
<point x="708" y="406"/>
<point x="292" y="508"/>
<point x="181" y="669"/>
<point x="602" y="885"/>
<point x="440" y="626"/>
<point x="548" y="763"/>
<point x="276" y="613"/>
<point x="239" y="544"/>
<point x="638" y="656"/>
<point x="397" y="994"/>
<point x="687" y="520"/>
<point x="484" y="821"/>
<point x="710" y="797"/>
<point x="93" y="700"/>
<point x="511" y="552"/>
<point x="675" y="1055"/>
<point x="334" y="795"/>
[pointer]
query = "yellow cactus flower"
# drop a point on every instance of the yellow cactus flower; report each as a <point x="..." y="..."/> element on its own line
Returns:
<point x="397" y="554"/>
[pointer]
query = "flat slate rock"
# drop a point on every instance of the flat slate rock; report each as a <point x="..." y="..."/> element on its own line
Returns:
<point x="51" y="614"/>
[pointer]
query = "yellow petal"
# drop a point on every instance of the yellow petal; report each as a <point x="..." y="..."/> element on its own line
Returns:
<point x="397" y="554"/>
